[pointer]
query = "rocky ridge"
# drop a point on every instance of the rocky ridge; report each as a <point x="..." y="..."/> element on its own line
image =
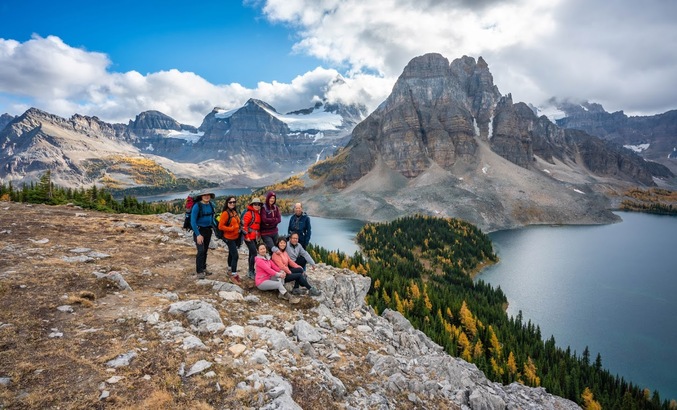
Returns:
<point x="105" y="325"/>
<point x="446" y="142"/>
<point x="252" y="145"/>
<point x="654" y="137"/>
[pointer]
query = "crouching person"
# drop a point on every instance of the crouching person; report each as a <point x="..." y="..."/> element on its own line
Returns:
<point x="269" y="276"/>
<point x="294" y="273"/>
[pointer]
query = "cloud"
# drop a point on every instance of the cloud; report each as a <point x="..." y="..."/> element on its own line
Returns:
<point x="385" y="35"/>
<point x="64" y="80"/>
<point x="620" y="54"/>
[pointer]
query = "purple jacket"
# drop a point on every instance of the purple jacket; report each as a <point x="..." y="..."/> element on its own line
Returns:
<point x="270" y="216"/>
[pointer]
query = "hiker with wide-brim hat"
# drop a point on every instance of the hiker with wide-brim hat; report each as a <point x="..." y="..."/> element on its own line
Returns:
<point x="201" y="220"/>
<point x="251" y="225"/>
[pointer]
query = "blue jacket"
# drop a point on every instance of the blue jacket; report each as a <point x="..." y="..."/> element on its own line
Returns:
<point x="202" y="218"/>
<point x="301" y="226"/>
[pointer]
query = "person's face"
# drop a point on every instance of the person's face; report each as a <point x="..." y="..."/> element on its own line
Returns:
<point x="206" y="197"/>
<point x="294" y="239"/>
<point x="271" y="200"/>
<point x="262" y="250"/>
<point x="282" y="245"/>
<point x="231" y="203"/>
<point x="256" y="206"/>
<point x="298" y="210"/>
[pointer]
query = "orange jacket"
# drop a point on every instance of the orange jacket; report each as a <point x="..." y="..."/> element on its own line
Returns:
<point x="231" y="231"/>
<point x="251" y="228"/>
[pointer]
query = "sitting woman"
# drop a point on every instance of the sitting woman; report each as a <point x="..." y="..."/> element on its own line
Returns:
<point x="293" y="271"/>
<point x="269" y="276"/>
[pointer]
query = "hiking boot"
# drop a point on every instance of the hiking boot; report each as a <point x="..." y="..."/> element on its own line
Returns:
<point x="200" y="275"/>
<point x="314" y="292"/>
<point x="235" y="278"/>
<point x="251" y="275"/>
<point x="284" y="296"/>
<point x="208" y="273"/>
<point x="297" y="291"/>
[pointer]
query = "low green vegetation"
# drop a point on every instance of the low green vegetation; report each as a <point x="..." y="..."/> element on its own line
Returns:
<point x="653" y="200"/>
<point x="45" y="192"/>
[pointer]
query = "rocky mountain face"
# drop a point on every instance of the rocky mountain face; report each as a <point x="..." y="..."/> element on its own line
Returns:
<point x="445" y="133"/>
<point x="258" y="135"/>
<point x="5" y="119"/>
<point x="653" y="137"/>
<point x="159" y="134"/>
<point x="37" y="141"/>
<point x="249" y="146"/>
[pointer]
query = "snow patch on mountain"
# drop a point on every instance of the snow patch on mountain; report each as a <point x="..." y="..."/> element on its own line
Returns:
<point x="637" y="148"/>
<point x="191" y="137"/>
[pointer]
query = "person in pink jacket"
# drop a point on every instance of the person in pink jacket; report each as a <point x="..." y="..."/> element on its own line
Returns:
<point x="269" y="276"/>
<point x="293" y="271"/>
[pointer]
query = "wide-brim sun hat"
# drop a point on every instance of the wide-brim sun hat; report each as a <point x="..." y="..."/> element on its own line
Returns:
<point x="255" y="200"/>
<point x="206" y="192"/>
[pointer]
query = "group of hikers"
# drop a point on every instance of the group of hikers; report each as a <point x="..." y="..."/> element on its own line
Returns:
<point x="273" y="259"/>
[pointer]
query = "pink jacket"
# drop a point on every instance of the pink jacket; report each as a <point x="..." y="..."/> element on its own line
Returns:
<point x="265" y="269"/>
<point x="284" y="262"/>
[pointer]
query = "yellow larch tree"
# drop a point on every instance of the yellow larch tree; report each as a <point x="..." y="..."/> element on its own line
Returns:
<point x="589" y="402"/>
<point x="478" y="350"/>
<point x="467" y="320"/>
<point x="495" y="346"/>
<point x="529" y="371"/>
<point x="512" y="364"/>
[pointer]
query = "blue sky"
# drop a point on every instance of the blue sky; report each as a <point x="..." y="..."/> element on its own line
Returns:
<point x="117" y="59"/>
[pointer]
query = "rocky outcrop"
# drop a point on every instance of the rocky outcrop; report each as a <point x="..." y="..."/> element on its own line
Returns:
<point x="268" y="141"/>
<point x="160" y="134"/>
<point x="653" y="137"/>
<point x="519" y="136"/>
<point x="265" y="145"/>
<point x="439" y="111"/>
<point x="5" y="119"/>
<point x="445" y="142"/>
<point x="432" y="116"/>
<point x="148" y="123"/>
<point x="38" y="141"/>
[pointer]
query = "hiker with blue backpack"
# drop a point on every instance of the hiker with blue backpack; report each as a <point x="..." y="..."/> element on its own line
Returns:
<point x="201" y="222"/>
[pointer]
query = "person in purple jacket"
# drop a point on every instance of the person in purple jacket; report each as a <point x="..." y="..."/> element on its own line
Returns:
<point x="270" y="218"/>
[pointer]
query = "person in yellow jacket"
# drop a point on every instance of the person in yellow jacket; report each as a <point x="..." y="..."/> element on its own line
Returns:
<point x="229" y="224"/>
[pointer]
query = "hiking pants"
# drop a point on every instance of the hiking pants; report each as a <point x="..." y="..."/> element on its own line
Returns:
<point x="272" y="284"/>
<point x="298" y="277"/>
<point x="202" y="250"/>
<point x="251" y="245"/>
<point x="232" y="254"/>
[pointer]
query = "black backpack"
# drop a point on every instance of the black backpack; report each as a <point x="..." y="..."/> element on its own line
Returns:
<point x="215" y="222"/>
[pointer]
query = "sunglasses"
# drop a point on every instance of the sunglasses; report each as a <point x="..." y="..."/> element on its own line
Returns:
<point x="231" y="202"/>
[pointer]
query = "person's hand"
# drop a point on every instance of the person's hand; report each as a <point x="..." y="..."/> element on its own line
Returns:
<point x="200" y="239"/>
<point x="312" y="267"/>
